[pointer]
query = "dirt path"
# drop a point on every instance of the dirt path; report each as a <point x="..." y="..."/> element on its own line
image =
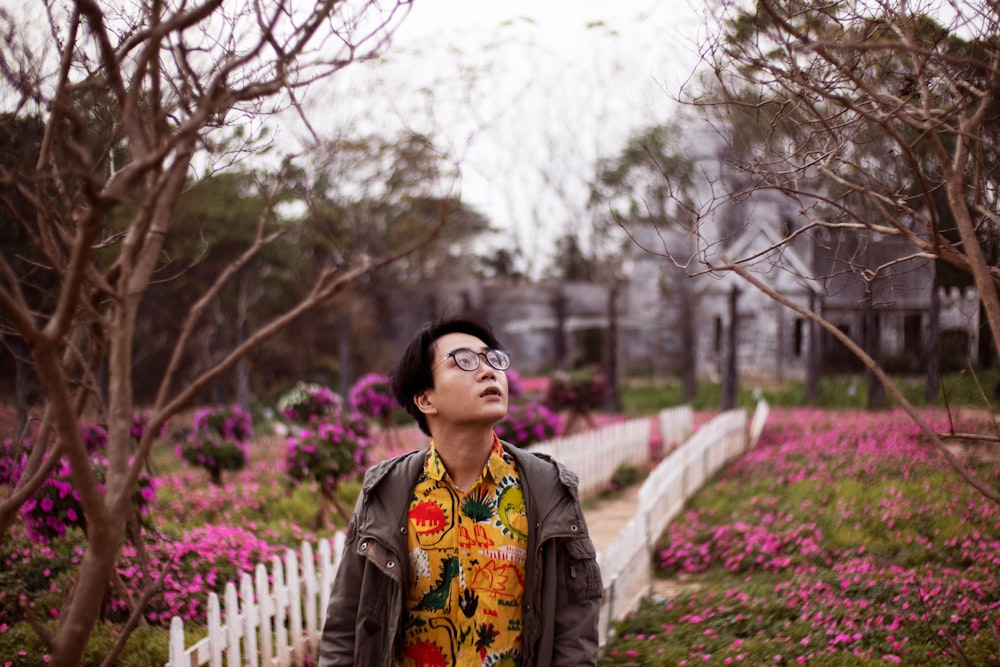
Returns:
<point x="606" y="517"/>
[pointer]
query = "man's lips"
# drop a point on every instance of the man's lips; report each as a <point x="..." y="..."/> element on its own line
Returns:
<point x="491" y="391"/>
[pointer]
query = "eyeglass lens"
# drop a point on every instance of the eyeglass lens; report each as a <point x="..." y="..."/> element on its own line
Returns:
<point x="468" y="360"/>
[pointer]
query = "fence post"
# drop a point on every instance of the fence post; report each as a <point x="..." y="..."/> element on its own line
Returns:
<point x="294" y="603"/>
<point x="312" y="592"/>
<point x="176" y="643"/>
<point x="280" y="597"/>
<point x="250" y="657"/>
<point x="215" y="636"/>
<point x="265" y="605"/>
<point x="232" y="633"/>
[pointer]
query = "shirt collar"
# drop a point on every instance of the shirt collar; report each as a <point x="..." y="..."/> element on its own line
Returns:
<point x="499" y="464"/>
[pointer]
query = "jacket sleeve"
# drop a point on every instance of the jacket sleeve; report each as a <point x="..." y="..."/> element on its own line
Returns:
<point x="337" y="643"/>
<point x="579" y="605"/>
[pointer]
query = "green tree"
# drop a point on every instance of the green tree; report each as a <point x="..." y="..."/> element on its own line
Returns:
<point x="367" y="195"/>
<point x="648" y="189"/>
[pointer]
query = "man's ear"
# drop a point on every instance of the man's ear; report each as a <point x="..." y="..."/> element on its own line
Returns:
<point x="424" y="403"/>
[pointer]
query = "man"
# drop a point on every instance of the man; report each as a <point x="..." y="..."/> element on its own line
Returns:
<point x="471" y="551"/>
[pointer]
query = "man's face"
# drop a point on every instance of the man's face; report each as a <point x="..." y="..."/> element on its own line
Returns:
<point x="465" y="397"/>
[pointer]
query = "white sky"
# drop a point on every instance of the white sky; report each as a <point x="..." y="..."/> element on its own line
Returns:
<point x="526" y="96"/>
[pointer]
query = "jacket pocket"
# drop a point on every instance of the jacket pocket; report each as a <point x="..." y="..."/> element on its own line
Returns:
<point x="584" y="580"/>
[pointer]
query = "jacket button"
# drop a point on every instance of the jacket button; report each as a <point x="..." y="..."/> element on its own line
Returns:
<point x="364" y="545"/>
<point x="574" y="528"/>
<point x="403" y="530"/>
<point x="391" y="564"/>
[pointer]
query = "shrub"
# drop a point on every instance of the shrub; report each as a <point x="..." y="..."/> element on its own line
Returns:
<point x="13" y="456"/>
<point x="95" y="437"/>
<point x="372" y="397"/>
<point x="329" y="453"/>
<point x="200" y="561"/>
<point x="140" y="422"/>
<point x="219" y="440"/>
<point x="515" y="387"/>
<point x="307" y="402"/>
<point x="56" y="507"/>
<point x="582" y="394"/>
<point x="527" y="424"/>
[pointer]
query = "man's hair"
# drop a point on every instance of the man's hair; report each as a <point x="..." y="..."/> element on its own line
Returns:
<point x="412" y="374"/>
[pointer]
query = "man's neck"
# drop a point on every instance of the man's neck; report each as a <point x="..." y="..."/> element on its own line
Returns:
<point x="464" y="452"/>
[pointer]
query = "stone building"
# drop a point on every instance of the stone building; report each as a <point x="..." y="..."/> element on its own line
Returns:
<point x="667" y="313"/>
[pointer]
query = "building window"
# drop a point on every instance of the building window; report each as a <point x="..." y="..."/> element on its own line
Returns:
<point x="913" y="334"/>
<point x="799" y="342"/>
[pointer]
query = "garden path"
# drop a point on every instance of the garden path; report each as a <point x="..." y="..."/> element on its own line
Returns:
<point x="605" y="517"/>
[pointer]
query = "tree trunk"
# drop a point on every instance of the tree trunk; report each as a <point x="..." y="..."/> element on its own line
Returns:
<point x="242" y="371"/>
<point x="613" y="403"/>
<point x="932" y="346"/>
<point x="814" y="356"/>
<point x="872" y="346"/>
<point x="344" y="352"/>
<point x="559" y="335"/>
<point x="20" y="389"/>
<point x="689" y="339"/>
<point x="730" y="377"/>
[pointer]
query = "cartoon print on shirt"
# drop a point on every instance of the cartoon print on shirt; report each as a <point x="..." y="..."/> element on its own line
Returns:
<point x="420" y="563"/>
<point x="468" y="602"/>
<point x="479" y="506"/>
<point x="437" y="597"/>
<point x="510" y="508"/>
<point x="430" y="654"/>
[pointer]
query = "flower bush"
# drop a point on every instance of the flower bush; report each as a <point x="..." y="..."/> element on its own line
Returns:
<point x="95" y="437"/>
<point x="140" y="422"/>
<point x="308" y="402"/>
<point x="329" y="452"/>
<point x="56" y="507"/>
<point x="841" y="539"/>
<point x="528" y="423"/>
<point x="13" y="456"/>
<point x="515" y="386"/>
<point x="219" y="440"/>
<point x="577" y="394"/>
<point x="200" y="561"/>
<point x="372" y="397"/>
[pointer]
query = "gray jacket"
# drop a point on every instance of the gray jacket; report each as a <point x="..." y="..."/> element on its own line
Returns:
<point x="562" y="585"/>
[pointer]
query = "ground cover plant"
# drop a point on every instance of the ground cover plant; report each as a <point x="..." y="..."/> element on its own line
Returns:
<point x="842" y="539"/>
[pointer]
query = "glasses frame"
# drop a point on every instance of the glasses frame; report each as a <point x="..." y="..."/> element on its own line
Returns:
<point x="504" y="359"/>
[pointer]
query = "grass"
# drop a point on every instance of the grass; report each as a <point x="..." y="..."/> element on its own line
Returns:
<point x="642" y="396"/>
<point x="838" y="541"/>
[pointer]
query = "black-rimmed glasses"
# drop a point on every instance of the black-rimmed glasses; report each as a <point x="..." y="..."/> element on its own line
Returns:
<point x="468" y="360"/>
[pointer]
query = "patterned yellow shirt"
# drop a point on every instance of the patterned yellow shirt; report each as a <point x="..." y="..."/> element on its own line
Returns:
<point x="467" y="557"/>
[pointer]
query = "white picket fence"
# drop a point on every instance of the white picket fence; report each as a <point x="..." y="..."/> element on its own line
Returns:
<point x="274" y="619"/>
<point x="627" y="562"/>
<point x="595" y="455"/>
